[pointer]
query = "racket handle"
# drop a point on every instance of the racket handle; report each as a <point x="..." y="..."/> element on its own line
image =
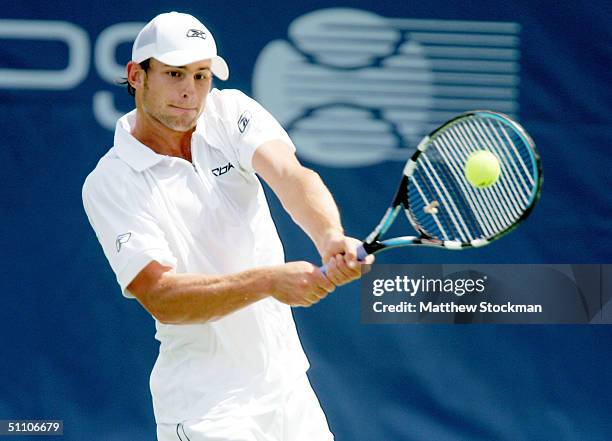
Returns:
<point x="361" y="255"/>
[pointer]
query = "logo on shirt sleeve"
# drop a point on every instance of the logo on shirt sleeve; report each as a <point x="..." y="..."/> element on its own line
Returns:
<point x="121" y="239"/>
<point x="244" y="121"/>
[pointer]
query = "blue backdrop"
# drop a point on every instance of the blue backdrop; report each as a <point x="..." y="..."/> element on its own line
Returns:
<point x="75" y="349"/>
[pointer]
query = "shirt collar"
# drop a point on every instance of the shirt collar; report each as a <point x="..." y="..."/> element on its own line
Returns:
<point x="130" y="150"/>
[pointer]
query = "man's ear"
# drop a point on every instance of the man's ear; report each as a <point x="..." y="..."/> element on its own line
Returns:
<point x="135" y="75"/>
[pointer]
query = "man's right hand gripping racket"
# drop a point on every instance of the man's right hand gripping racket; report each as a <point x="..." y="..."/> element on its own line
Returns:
<point x="444" y="208"/>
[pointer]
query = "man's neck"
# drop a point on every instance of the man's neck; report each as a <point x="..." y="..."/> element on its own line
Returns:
<point x="161" y="139"/>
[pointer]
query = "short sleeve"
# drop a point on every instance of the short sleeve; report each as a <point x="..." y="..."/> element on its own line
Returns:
<point x="248" y="125"/>
<point x="125" y="224"/>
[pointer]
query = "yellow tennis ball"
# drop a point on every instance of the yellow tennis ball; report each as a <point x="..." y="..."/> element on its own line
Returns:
<point x="482" y="169"/>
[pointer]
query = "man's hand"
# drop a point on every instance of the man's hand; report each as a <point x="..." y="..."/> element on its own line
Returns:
<point x="300" y="284"/>
<point x="339" y="253"/>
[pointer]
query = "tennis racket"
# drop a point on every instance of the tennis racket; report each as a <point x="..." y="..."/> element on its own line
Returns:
<point x="442" y="206"/>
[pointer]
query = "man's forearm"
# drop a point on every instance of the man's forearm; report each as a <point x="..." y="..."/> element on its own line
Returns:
<point x="195" y="298"/>
<point x="310" y="204"/>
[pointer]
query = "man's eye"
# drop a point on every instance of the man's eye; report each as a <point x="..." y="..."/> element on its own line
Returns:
<point x="174" y="74"/>
<point x="202" y="76"/>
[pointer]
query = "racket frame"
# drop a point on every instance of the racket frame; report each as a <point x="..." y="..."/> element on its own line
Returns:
<point x="372" y="244"/>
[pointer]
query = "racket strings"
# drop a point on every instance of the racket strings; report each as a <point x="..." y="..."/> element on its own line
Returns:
<point x="445" y="205"/>
<point x="446" y="224"/>
<point x="483" y="209"/>
<point x="446" y="192"/>
<point x="496" y="144"/>
<point x="426" y="225"/>
<point x="517" y="178"/>
<point x="438" y="203"/>
<point x="497" y="208"/>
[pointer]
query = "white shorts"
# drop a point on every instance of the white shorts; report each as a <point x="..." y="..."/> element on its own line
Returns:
<point x="299" y="419"/>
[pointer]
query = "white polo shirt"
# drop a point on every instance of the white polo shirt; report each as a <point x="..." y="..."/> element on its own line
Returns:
<point x="207" y="216"/>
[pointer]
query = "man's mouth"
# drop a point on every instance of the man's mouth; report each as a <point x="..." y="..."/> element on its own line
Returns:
<point x="183" y="109"/>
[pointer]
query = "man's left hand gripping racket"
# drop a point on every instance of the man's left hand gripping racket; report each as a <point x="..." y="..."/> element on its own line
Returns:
<point x="442" y="206"/>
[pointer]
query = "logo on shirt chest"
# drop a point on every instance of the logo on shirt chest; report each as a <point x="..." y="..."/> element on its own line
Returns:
<point x="244" y="121"/>
<point x="222" y="170"/>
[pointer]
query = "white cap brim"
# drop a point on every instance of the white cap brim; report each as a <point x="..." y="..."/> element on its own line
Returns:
<point x="218" y="66"/>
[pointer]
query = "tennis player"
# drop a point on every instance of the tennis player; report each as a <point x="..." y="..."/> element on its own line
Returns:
<point x="184" y="223"/>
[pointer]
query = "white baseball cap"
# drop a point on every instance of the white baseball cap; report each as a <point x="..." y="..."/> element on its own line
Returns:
<point x="178" y="39"/>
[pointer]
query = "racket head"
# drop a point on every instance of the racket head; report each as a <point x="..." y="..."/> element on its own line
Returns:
<point x="444" y="207"/>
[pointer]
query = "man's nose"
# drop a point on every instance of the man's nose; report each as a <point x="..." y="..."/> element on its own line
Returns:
<point x="188" y="89"/>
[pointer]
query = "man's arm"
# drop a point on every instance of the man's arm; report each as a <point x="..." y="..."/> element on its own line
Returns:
<point x="300" y="190"/>
<point x="195" y="298"/>
<point x="306" y="198"/>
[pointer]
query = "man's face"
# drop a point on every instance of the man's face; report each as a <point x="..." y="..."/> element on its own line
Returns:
<point x="175" y="96"/>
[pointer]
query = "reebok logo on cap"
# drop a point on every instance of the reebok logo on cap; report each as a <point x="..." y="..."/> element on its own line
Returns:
<point x="196" y="33"/>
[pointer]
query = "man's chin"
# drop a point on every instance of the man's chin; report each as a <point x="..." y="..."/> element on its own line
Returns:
<point x="183" y="129"/>
<point x="180" y="126"/>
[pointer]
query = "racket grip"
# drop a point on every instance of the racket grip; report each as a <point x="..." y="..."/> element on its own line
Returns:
<point x="361" y="255"/>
